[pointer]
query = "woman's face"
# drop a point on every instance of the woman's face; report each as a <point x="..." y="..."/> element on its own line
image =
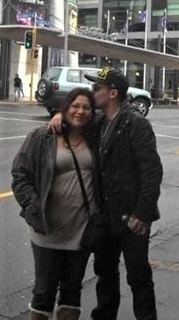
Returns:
<point x="79" y="112"/>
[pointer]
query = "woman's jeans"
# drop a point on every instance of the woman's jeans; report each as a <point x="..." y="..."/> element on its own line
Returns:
<point x="139" y="277"/>
<point x="59" y="271"/>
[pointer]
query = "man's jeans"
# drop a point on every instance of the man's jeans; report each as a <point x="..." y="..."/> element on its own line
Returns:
<point x="17" y="93"/>
<point x="139" y="277"/>
<point x="57" y="270"/>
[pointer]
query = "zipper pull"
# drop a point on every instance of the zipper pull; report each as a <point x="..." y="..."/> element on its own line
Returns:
<point x="125" y="218"/>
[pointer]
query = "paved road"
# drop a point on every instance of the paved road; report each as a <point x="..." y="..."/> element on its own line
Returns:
<point x="16" y="266"/>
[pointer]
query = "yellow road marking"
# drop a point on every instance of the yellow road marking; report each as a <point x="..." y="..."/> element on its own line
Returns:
<point x="165" y="265"/>
<point x="6" y="194"/>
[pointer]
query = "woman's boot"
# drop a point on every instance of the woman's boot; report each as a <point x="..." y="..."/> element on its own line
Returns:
<point x="37" y="316"/>
<point x="65" y="312"/>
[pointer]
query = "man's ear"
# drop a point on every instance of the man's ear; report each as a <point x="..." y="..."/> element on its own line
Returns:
<point x="114" y="93"/>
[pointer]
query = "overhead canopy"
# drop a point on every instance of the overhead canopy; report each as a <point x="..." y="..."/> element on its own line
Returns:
<point x="88" y="45"/>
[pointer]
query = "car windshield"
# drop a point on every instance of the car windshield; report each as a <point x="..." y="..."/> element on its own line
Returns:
<point x="52" y="74"/>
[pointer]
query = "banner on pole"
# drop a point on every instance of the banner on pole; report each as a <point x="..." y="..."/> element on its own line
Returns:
<point x="164" y="21"/>
<point x="73" y="16"/>
<point x="25" y="12"/>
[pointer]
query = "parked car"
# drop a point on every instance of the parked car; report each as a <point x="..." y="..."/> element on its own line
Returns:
<point x="56" y="82"/>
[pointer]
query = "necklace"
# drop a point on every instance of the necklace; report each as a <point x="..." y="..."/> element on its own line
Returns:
<point x="76" y="145"/>
<point x="116" y="113"/>
<point x="105" y="132"/>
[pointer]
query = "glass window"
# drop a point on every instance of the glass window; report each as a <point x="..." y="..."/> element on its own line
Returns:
<point x="88" y="17"/>
<point x="158" y="8"/>
<point x="159" y="5"/>
<point x="87" y="60"/>
<point x="118" y="15"/>
<point x="135" y="74"/>
<point x="73" y="76"/>
<point x="52" y="74"/>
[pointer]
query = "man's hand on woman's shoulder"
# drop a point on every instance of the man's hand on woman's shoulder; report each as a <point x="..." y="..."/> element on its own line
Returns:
<point x="55" y="124"/>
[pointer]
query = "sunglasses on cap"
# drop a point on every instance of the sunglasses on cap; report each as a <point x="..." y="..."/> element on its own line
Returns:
<point x="98" y="86"/>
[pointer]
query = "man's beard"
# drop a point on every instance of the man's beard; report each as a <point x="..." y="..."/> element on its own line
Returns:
<point x="101" y="105"/>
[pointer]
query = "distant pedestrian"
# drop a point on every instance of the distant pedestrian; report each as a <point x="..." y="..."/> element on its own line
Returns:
<point x="152" y="91"/>
<point x="21" y="89"/>
<point x="17" y="87"/>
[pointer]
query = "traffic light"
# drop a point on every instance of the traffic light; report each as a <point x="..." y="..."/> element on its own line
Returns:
<point x="28" y="39"/>
<point x="36" y="53"/>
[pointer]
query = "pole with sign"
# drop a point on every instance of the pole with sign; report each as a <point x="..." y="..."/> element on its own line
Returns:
<point x="33" y="50"/>
<point x="71" y="25"/>
<point x="145" y="47"/>
<point x="66" y="34"/>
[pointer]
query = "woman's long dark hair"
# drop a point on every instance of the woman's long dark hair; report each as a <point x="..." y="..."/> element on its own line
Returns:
<point x="71" y="96"/>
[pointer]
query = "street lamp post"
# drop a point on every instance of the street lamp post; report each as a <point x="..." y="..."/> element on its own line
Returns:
<point x="108" y="22"/>
<point x="5" y="51"/>
<point x="34" y="42"/>
<point x="65" y="63"/>
<point x="126" y="39"/>
<point x="145" y="47"/>
<point x="1" y="12"/>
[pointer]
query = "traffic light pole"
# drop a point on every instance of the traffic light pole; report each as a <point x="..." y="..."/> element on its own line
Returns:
<point x="34" y="33"/>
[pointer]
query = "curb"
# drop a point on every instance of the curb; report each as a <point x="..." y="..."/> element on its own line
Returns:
<point x="168" y="106"/>
<point x="34" y="102"/>
<point x="17" y="103"/>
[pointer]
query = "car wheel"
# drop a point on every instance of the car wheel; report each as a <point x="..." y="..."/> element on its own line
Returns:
<point x="44" y="88"/>
<point x="143" y="106"/>
<point x="38" y="98"/>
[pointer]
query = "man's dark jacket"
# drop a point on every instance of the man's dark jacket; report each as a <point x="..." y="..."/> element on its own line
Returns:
<point x="129" y="170"/>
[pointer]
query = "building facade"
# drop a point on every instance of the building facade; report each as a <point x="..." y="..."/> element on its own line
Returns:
<point x="15" y="59"/>
<point x="121" y="18"/>
<point x="144" y="20"/>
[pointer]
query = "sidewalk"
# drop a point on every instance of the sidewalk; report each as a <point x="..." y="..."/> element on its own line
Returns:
<point x="22" y="101"/>
<point x="164" y="257"/>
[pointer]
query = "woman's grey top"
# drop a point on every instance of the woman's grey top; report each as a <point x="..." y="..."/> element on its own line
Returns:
<point x="65" y="209"/>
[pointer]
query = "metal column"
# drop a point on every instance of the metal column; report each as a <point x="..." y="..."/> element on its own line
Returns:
<point x="5" y="53"/>
<point x="56" y="21"/>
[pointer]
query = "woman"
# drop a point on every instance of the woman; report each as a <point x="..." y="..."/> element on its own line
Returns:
<point x="46" y="186"/>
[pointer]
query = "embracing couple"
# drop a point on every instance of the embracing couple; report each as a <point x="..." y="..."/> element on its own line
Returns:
<point x="81" y="164"/>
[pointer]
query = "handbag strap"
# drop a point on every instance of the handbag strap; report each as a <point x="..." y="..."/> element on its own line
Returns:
<point x="78" y="171"/>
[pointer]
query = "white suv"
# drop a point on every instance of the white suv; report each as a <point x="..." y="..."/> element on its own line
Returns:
<point x="56" y="82"/>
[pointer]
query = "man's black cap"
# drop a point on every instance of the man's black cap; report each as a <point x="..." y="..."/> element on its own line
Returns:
<point x="108" y="76"/>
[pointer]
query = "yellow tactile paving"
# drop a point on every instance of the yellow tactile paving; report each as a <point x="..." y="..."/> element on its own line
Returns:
<point x="6" y="194"/>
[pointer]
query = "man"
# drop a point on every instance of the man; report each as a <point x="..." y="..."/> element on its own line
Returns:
<point x="17" y="86"/>
<point x="129" y="173"/>
<point x="22" y="89"/>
